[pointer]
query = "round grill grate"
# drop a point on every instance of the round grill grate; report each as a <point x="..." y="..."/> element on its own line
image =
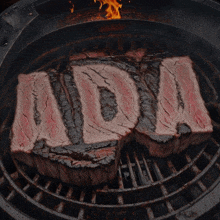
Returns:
<point x="145" y="187"/>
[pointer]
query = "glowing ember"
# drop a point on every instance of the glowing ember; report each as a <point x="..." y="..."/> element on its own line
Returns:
<point x="71" y="9"/>
<point x="112" y="9"/>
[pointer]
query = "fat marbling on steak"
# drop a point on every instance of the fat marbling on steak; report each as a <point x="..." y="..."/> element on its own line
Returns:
<point x="72" y="125"/>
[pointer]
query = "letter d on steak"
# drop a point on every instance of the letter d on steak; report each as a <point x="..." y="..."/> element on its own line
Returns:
<point x="72" y="126"/>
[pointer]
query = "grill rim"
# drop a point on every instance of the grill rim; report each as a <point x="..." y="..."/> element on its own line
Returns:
<point x="13" y="211"/>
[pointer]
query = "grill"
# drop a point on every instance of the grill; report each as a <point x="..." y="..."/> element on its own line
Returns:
<point x="145" y="188"/>
<point x="37" y="36"/>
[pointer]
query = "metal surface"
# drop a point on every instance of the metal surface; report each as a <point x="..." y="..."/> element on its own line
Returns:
<point x="145" y="188"/>
<point x="178" y="198"/>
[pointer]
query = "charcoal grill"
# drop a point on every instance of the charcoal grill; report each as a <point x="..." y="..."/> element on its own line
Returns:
<point x="37" y="35"/>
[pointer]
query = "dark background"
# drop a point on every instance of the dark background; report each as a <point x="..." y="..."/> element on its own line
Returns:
<point x="6" y="3"/>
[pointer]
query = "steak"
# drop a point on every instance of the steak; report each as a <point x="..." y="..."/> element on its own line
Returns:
<point x="73" y="125"/>
<point x="181" y="118"/>
<point x="59" y="127"/>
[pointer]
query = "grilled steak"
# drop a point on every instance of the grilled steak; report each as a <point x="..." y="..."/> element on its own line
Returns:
<point x="181" y="118"/>
<point x="60" y="130"/>
<point x="73" y="125"/>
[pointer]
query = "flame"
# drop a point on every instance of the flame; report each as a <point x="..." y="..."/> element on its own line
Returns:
<point x="71" y="9"/>
<point x="112" y="9"/>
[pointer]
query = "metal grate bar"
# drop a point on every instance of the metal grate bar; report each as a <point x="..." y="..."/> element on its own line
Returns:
<point x="35" y="179"/>
<point x="81" y="211"/>
<point x="48" y="184"/>
<point x="14" y="176"/>
<point x="140" y="173"/>
<point x="121" y="186"/>
<point x="209" y="157"/>
<point x="81" y="214"/>
<point x="157" y="171"/>
<point x="163" y="188"/>
<point x="93" y="200"/>
<point x="11" y="195"/>
<point x="194" y="168"/>
<point x="133" y="179"/>
<point x="202" y="186"/>
<point x="59" y="188"/>
<point x="2" y="180"/>
<point x="60" y="207"/>
<point x="120" y="200"/>
<point x="26" y="187"/>
<point x="132" y="164"/>
<point x="68" y="196"/>
<point x="120" y="179"/>
<point x="169" y="207"/>
<point x="147" y="168"/>
<point x="39" y="195"/>
<point x="197" y="171"/>
<point x="69" y="193"/>
<point x="171" y="166"/>
<point x="150" y="213"/>
<point x="126" y="166"/>
<point x="168" y="204"/>
<point x="215" y="142"/>
<point x="217" y="165"/>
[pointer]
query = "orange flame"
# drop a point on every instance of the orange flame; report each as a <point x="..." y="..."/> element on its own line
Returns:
<point x="71" y="9"/>
<point x="112" y="9"/>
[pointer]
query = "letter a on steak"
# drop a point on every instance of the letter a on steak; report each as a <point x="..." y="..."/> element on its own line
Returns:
<point x="181" y="118"/>
<point x="73" y="125"/>
<point x="59" y="126"/>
